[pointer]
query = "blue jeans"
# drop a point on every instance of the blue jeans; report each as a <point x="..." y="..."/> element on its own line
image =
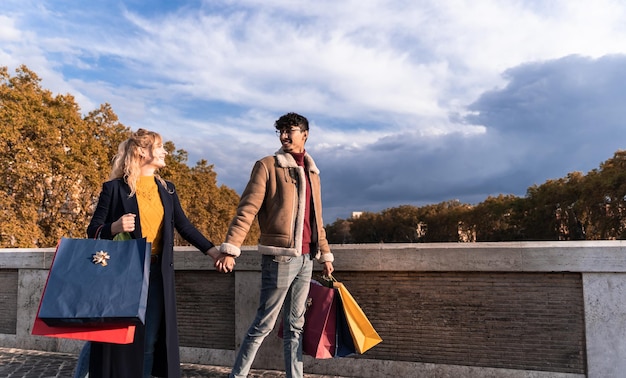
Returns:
<point x="284" y="284"/>
<point x="82" y="366"/>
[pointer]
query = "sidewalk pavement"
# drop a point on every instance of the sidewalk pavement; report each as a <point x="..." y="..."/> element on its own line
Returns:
<point x="21" y="363"/>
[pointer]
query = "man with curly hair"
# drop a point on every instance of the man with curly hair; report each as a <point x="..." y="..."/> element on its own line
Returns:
<point x="284" y="192"/>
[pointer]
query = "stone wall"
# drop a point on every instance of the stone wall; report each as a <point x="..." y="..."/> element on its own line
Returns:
<point x="549" y="309"/>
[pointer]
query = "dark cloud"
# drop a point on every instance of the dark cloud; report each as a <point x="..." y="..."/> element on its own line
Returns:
<point x="552" y="118"/>
<point x="568" y="113"/>
<point x="573" y="94"/>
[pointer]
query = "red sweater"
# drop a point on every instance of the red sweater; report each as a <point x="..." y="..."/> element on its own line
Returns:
<point x="306" y="232"/>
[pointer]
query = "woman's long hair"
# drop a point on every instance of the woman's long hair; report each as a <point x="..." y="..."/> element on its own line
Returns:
<point x="127" y="161"/>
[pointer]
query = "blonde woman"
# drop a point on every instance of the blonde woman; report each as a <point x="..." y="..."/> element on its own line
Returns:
<point x="138" y="201"/>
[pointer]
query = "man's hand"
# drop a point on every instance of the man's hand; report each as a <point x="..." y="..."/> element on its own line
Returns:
<point x="328" y="269"/>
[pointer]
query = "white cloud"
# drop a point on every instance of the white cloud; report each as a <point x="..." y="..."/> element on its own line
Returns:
<point x="386" y="84"/>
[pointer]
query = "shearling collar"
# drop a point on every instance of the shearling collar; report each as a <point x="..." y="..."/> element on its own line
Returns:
<point x="285" y="160"/>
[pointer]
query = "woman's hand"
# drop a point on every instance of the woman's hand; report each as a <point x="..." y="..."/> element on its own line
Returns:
<point x="214" y="253"/>
<point x="126" y="223"/>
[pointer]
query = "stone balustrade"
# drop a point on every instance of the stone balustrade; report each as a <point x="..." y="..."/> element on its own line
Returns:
<point x="518" y="309"/>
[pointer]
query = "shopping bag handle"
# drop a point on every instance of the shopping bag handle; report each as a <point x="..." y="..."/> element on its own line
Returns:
<point x="328" y="281"/>
<point x="118" y="237"/>
<point x="97" y="236"/>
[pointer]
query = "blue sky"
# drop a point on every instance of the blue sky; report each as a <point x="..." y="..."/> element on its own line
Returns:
<point x="410" y="102"/>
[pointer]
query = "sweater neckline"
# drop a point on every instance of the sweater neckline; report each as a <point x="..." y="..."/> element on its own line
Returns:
<point x="299" y="157"/>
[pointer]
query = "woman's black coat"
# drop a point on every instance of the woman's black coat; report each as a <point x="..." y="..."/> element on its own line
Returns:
<point x="126" y="361"/>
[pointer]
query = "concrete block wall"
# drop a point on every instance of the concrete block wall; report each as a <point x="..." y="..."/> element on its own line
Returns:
<point x="540" y="309"/>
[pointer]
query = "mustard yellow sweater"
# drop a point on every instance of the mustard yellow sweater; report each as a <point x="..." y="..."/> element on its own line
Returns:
<point x="151" y="211"/>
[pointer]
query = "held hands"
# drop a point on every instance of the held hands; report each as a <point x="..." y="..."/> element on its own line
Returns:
<point x="219" y="260"/>
<point x="225" y="263"/>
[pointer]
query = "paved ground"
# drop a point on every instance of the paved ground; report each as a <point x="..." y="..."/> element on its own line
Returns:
<point x="20" y="363"/>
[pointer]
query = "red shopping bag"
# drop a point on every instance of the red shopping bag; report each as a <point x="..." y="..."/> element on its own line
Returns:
<point x="320" y="327"/>
<point x="115" y="334"/>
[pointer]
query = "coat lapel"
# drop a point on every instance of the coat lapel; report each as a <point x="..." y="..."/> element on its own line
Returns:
<point x="129" y="204"/>
<point x="166" y="200"/>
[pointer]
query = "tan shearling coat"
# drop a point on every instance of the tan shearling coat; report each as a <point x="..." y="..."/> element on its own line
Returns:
<point x="276" y="194"/>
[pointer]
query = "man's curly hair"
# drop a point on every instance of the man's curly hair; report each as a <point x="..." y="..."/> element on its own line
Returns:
<point x="292" y="119"/>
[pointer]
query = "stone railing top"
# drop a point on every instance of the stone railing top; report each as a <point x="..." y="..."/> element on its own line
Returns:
<point x="574" y="256"/>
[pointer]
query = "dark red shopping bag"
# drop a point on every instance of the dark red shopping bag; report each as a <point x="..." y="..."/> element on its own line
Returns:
<point x="320" y="325"/>
<point x="319" y="339"/>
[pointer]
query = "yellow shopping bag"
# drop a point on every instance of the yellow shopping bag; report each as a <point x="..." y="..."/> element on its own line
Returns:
<point x="363" y="333"/>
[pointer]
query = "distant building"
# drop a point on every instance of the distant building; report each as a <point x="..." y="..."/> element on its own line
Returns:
<point x="356" y="214"/>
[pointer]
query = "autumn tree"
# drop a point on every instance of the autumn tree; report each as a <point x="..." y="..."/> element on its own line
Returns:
<point x="52" y="163"/>
<point x="208" y="206"/>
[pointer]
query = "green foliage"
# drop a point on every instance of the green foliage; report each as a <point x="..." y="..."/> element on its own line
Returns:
<point x="209" y="207"/>
<point x="55" y="160"/>
<point x="339" y="232"/>
<point x="498" y="218"/>
<point x="366" y="228"/>
<point x="575" y="207"/>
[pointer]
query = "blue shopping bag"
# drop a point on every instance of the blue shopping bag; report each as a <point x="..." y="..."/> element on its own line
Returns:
<point x="354" y="332"/>
<point x="344" y="345"/>
<point x="97" y="281"/>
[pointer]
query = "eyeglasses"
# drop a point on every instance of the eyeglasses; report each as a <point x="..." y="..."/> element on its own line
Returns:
<point x="286" y="131"/>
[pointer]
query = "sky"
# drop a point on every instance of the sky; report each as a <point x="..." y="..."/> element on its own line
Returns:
<point x="410" y="102"/>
